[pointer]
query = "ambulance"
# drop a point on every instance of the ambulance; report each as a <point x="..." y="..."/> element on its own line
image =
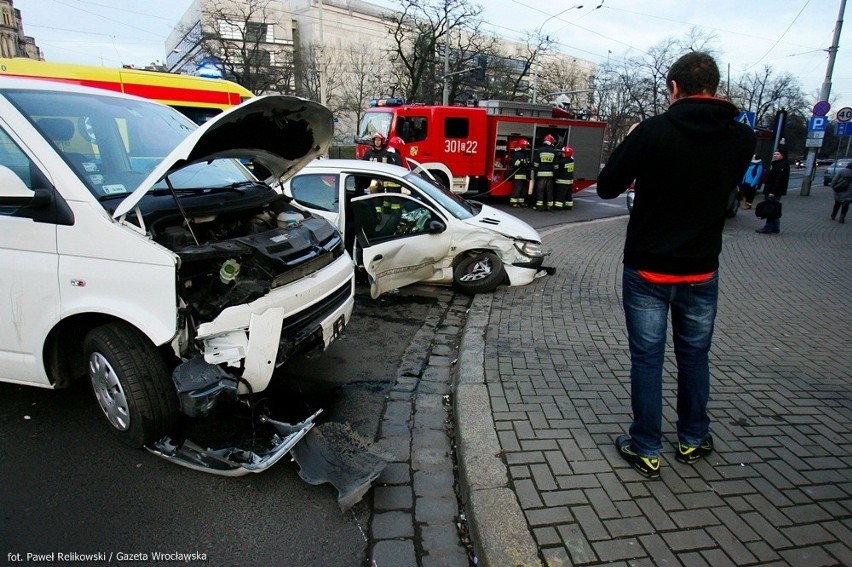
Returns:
<point x="197" y="98"/>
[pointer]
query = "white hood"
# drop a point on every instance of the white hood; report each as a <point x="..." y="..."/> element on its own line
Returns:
<point x="504" y="223"/>
<point x="281" y="133"/>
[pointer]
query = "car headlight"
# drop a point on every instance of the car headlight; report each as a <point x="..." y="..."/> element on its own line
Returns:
<point x="529" y="248"/>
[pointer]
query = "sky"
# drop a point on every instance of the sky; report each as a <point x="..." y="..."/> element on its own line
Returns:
<point x="789" y="35"/>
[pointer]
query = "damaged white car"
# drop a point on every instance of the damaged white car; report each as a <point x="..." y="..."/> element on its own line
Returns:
<point x="404" y="228"/>
<point x="140" y="251"/>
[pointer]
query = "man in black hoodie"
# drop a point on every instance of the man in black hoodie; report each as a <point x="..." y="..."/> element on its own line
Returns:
<point x="684" y="163"/>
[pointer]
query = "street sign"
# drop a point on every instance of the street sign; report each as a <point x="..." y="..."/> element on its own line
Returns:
<point x="821" y="108"/>
<point x="816" y="134"/>
<point x="745" y="117"/>
<point x="844" y="114"/>
<point x="817" y="123"/>
<point x="843" y="129"/>
<point x="813" y="143"/>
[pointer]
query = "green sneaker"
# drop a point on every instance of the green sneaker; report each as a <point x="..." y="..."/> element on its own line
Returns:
<point x="649" y="467"/>
<point x="690" y="455"/>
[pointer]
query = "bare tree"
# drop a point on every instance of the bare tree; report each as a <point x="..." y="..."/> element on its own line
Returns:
<point x="763" y="91"/>
<point x="418" y="30"/>
<point x="238" y="34"/>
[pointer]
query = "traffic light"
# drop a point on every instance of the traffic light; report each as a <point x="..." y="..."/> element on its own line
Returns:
<point x="478" y="72"/>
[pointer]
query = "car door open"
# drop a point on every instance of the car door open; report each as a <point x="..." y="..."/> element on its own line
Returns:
<point x="401" y="240"/>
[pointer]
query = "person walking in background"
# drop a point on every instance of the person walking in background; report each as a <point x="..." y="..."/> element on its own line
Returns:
<point x="671" y="252"/>
<point x="544" y="161"/>
<point x="564" y="180"/>
<point x="776" y="187"/>
<point x="841" y="183"/>
<point x="519" y="170"/>
<point x="751" y="181"/>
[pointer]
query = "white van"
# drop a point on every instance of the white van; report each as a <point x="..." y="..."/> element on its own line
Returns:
<point x="138" y="249"/>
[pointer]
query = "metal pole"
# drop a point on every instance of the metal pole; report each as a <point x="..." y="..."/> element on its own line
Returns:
<point x="823" y="95"/>
<point x="321" y="58"/>
<point x="447" y="69"/>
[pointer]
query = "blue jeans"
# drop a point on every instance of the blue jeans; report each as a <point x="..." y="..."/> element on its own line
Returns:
<point x="693" y="312"/>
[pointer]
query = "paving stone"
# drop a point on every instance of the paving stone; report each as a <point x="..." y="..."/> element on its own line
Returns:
<point x="394" y="553"/>
<point x="393" y="498"/>
<point x="392" y="525"/>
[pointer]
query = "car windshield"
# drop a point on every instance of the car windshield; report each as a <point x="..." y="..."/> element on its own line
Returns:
<point x="454" y="204"/>
<point x="112" y="144"/>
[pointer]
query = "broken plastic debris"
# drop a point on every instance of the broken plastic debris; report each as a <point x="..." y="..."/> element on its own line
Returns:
<point x="333" y="452"/>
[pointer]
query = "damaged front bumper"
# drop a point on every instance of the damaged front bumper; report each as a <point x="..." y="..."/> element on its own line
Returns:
<point x="234" y="461"/>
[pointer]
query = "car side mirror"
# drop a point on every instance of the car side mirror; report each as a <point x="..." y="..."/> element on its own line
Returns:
<point x="436" y="226"/>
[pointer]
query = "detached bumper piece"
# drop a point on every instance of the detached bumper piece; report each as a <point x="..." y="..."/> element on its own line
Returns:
<point x="234" y="461"/>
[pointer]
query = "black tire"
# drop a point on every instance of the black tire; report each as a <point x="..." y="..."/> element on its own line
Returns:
<point x="131" y="383"/>
<point x="478" y="272"/>
<point x="733" y="204"/>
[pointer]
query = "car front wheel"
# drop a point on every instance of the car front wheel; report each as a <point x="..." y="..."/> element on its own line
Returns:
<point x="131" y="383"/>
<point x="478" y="272"/>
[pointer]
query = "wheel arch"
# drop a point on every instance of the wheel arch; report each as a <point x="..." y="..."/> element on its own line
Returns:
<point x="62" y="355"/>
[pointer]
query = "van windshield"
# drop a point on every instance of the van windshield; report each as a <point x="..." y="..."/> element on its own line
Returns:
<point x="112" y="144"/>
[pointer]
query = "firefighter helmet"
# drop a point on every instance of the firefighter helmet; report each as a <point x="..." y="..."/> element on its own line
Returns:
<point x="396" y="142"/>
<point x="380" y="137"/>
<point x="523" y="144"/>
<point x="549" y="139"/>
<point x="568" y="151"/>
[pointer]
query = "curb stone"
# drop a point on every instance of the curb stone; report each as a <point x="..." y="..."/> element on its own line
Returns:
<point x="482" y="474"/>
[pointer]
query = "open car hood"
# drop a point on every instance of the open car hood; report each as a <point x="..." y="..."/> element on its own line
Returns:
<point x="281" y="133"/>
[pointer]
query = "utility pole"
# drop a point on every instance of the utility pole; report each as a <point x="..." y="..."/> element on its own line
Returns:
<point x="446" y="99"/>
<point x="823" y="95"/>
<point x="321" y="57"/>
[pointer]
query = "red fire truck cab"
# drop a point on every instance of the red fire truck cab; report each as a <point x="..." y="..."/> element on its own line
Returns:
<point x="467" y="147"/>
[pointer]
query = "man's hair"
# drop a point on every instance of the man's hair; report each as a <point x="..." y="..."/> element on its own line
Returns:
<point x="695" y="73"/>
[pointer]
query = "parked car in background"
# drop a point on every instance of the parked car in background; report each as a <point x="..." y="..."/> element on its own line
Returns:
<point x="824" y="161"/>
<point x="142" y="253"/>
<point x="832" y="169"/>
<point x="404" y="228"/>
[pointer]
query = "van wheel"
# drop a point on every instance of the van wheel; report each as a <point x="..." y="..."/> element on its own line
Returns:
<point x="478" y="272"/>
<point x="131" y="383"/>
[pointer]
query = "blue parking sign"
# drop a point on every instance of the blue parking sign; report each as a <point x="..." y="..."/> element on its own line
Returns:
<point x="817" y="124"/>
<point x="843" y="129"/>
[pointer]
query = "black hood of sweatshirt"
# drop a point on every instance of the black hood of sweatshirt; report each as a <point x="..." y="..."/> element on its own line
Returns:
<point x="685" y="163"/>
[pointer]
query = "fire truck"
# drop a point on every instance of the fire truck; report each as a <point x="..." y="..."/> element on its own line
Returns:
<point x="467" y="147"/>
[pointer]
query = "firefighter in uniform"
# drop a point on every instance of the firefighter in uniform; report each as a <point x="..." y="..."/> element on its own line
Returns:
<point x="380" y="152"/>
<point x="519" y="168"/>
<point x="564" y="174"/>
<point x="544" y="161"/>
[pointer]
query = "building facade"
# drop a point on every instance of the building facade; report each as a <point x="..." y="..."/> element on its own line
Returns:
<point x="13" y="42"/>
<point x="336" y="52"/>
